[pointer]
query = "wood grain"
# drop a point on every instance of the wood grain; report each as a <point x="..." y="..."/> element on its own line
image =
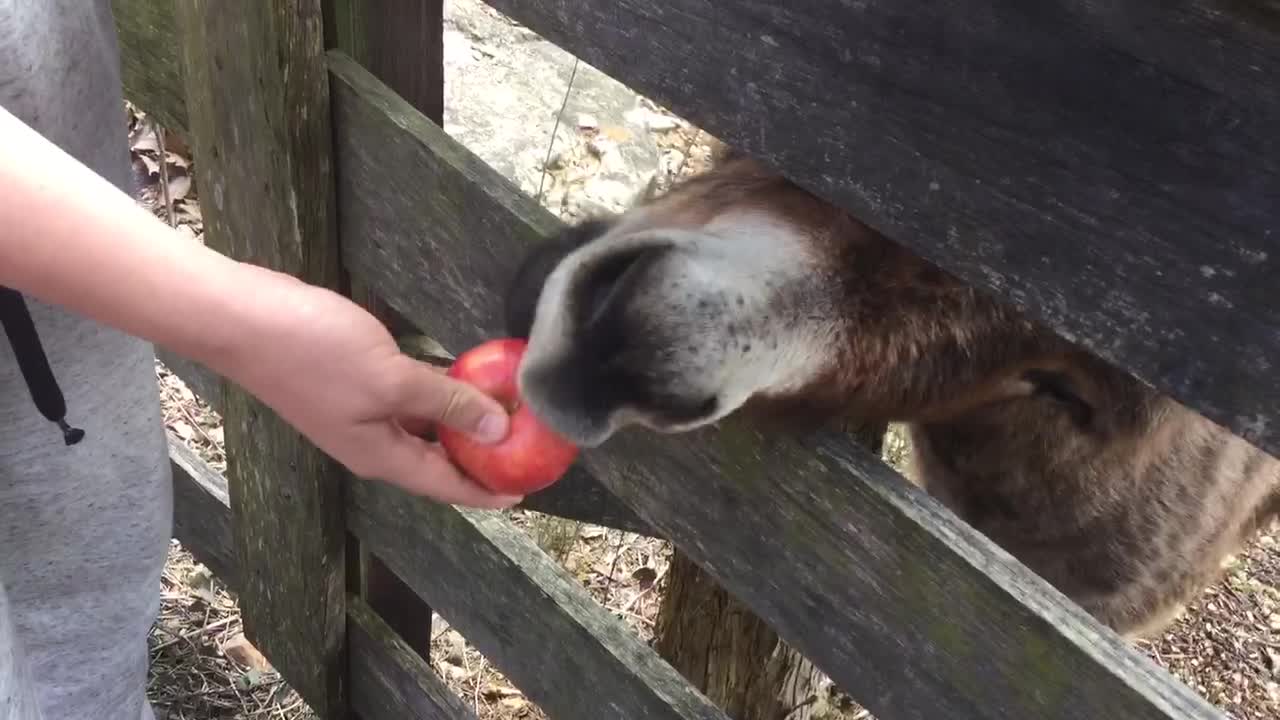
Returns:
<point x="151" y="67"/>
<point x="1112" y="168"/>
<point x="402" y="45"/>
<point x="202" y="512"/>
<point x="577" y="496"/>
<point x="389" y="679"/>
<point x="264" y="169"/>
<point x="902" y="604"/>
<point x="522" y="610"/>
<point x="400" y="41"/>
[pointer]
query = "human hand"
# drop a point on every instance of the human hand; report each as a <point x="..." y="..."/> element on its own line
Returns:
<point x="334" y="372"/>
<point x="324" y="364"/>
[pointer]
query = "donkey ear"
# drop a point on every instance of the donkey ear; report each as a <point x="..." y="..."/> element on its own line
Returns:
<point x="521" y="300"/>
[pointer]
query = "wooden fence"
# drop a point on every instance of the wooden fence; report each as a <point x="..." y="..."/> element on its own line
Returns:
<point x="1097" y="158"/>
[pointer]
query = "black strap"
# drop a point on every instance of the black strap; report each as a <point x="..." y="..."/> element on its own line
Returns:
<point x="33" y="363"/>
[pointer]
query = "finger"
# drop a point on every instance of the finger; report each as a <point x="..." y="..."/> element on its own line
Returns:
<point x="451" y="402"/>
<point x="442" y="479"/>
<point x="422" y="469"/>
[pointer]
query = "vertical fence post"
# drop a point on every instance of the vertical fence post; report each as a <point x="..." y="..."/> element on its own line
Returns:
<point x="258" y="108"/>
<point x="401" y="42"/>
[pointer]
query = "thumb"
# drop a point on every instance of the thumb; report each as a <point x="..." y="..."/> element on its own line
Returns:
<point x="434" y="396"/>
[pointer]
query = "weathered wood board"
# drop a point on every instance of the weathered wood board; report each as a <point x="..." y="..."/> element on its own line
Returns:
<point x="1112" y="168"/>
<point x="264" y="167"/>
<point x="400" y="42"/>
<point x="522" y="610"/>
<point x="202" y="513"/>
<point x="388" y="680"/>
<point x="151" y="66"/>
<point x="901" y="603"/>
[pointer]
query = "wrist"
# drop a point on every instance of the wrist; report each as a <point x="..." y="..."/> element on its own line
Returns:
<point x="249" y="310"/>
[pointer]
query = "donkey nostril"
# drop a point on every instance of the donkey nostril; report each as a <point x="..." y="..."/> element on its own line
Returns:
<point x="609" y="278"/>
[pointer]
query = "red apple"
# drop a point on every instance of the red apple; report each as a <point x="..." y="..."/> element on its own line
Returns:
<point x="531" y="457"/>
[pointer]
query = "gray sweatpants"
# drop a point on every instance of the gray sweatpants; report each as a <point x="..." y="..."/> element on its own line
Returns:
<point x="84" y="528"/>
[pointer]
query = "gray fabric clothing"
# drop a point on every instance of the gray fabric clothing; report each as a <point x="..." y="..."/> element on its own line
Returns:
<point x="84" y="529"/>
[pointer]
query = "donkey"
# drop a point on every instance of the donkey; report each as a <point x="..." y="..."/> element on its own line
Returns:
<point x="739" y="291"/>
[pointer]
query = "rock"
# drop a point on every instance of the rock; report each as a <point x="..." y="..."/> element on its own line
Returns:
<point x="661" y="123"/>
<point x="503" y="108"/>
<point x="672" y="161"/>
<point x="610" y="195"/>
<point x="651" y="120"/>
<point x="457" y="50"/>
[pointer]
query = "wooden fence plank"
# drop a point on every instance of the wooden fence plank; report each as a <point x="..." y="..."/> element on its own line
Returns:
<point x="401" y="43"/>
<point x="901" y="603"/>
<point x="202" y="512"/>
<point x="522" y="610"/>
<point x="469" y="205"/>
<point x="263" y="164"/>
<point x="389" y="679"/>
<point x="1112" y="168"/>
<point x="151" y="67"/>
<point x="578" y="496"/>
<point x="199" y="379"/>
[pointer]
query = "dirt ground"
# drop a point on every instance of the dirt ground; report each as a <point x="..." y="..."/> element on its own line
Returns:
<point x="1226" y="646"/>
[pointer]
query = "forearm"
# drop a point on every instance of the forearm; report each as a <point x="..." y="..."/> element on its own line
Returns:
<point x="70" y="238"/>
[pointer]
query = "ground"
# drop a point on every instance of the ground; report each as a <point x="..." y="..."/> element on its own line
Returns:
<point x="506" y="95"/>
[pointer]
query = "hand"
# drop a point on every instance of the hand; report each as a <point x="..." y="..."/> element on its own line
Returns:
<point x="331" y="370"/>
<point x="325" y="365"/>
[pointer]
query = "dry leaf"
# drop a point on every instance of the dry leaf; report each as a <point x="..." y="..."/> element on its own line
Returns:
<point x="645" y="576"/>
<point x="179" y="186"/>
<point x="514" y="703"/>
<point x="153" y="166"/>
<point x="456" y="672"/>
<point x="240" y="650"/>
<point x="492" y="691"/>
<point x="188" y="212"/>
<point x="183" y="429"/>
<point x="146" y="141"/>
<point x="176" y="144"/>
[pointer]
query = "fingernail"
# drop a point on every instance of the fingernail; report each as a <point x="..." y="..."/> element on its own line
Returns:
<point x="492" y="428"/>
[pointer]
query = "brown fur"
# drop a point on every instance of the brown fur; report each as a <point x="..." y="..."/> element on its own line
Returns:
<point x="1123" y="499"/>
